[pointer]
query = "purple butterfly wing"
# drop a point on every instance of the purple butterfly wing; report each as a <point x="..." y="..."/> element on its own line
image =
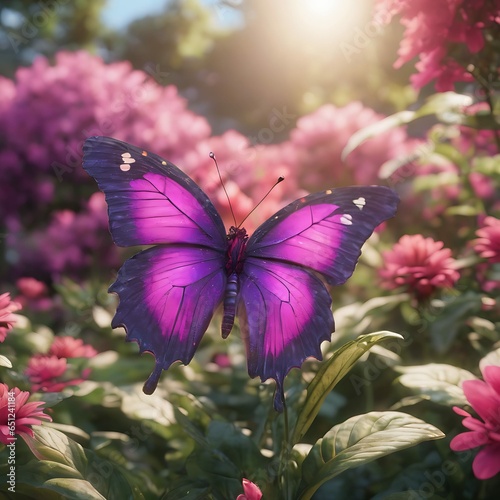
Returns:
<point x="286" y="314"/>
<point x="285" y="308"/>
<point x="149" y="199"/>
<point x="325" y="231"/>
<point x="168" y="293"/>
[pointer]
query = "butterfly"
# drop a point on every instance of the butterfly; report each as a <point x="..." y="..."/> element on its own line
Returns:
<point x="273" y="280"/>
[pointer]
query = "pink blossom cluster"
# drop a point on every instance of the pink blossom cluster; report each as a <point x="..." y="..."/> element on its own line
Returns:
<point x="72" y="243"/>
<point x="51" y="373"/>
<point x="443" y="34"/>
<point x="319" y="138"/>
<point x="49" y="111"/>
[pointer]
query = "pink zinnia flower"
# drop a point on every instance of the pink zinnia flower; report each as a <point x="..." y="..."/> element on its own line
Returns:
<point x="250" y="491"/>
<point x="7" y="318"/>
<point x="488" y="243"/>
<point x="69" y="347"/>
<point x="26" y="414"/>
<point x="484" y="397"/>
<point x="420" y="265"/>
<point x="49" y="374"/>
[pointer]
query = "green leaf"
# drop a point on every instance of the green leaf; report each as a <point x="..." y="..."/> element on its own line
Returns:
<point x="375" y="129"/>
<point x="330" y="373"/>
<point x="74" y="488"/>
<point x="448" y="106"/>
<point x="50" y="444"/>
<point x="360" y="440"/>
<point x="5" y="362"/>
<point x="238" y="447"/>
<point x="445" y="326"/>
<point x="62" y="458"/>
<point x="440" y="383"/>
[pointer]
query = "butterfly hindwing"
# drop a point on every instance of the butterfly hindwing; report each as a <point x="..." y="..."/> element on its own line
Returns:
<point x="168" y="295"/>
<point x="149" y="199"/>
<point x="286" y="314"/>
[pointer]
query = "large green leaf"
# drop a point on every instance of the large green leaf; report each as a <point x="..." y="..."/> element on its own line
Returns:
<point x="65" y="467"/>
<point x="330" y="373"/>
<point x="440" y="383"/>
<point x="360" y="440"/>
<point x="52" y="445"/>
<point x="447" y="106"/>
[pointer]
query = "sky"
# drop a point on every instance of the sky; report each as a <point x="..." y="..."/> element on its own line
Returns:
<point x="117" y="13"/>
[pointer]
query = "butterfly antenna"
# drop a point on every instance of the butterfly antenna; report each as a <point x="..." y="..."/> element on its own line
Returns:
<point x="280" y="179"/>
<point x="222" y="184"/>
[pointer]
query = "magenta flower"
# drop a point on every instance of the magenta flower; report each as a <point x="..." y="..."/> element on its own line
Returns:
<point x="418" y="265"/>
<point x="69" y="347"/>
<point x="484" y="397"/>
<point x="7" y="318"/>
<point x="487" y="245"/>
<point x="432" y="28"/>
<point x="51" y="374"/>
<point x="250" y="491"/>
<point x="14" y="402"/>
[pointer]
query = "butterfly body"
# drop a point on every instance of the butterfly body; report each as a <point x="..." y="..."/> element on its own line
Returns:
<point x="274" y="280"/>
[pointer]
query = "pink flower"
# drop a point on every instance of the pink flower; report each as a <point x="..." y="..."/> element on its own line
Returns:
<point x="50" y="374"/>
<point x="33" y="294"/>
<point x="26" y="414"/>
<point x="7" y="318"/>
<point x="320" y="137"/>
<point x="484" y="397"/>
<point x="419" y="265"/>
<point x="250" y="491"/>
<point x="488" y="243"/>
<point x="444" y="35"/>
<point x="69" y="347"/>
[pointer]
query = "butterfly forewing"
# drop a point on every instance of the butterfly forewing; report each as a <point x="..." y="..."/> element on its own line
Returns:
<point x="150" y="200"/>
<point x="325" y="231"/>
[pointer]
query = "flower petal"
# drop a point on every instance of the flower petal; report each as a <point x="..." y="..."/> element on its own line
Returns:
<point x="468" y="440"/>
<point x="483" y="399"/>
<point x="487" y="462"/>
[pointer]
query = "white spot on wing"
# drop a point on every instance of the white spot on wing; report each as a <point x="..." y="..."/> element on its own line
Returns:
<point x="124" y="167"/>
<point x="346" y="219"/>
<point x="360" y="202"/>
<point x="127" y="158"/>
